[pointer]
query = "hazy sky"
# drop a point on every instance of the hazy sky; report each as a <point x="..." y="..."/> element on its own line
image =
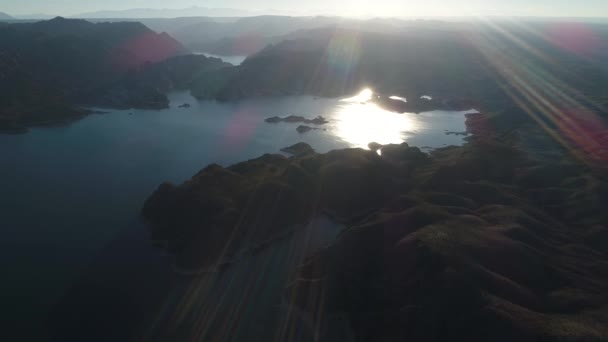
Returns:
<point x="594" y="8"/>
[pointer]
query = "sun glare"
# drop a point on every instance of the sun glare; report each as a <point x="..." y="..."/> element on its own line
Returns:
<point x="364" y="96"/>
<point x="360" y="7"/>
<point x="361" y="122"/>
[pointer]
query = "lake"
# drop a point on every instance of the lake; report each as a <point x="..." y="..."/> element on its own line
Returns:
<point x="69" y="192"/>
<point x="234" y="60"/>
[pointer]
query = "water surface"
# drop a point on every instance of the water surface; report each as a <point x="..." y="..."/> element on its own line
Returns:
<point x="234" y="60"/>
<point x="69" y="191"/>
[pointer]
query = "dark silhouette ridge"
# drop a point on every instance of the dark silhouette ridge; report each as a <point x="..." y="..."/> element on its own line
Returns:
<point x="51" y="68"/>
<point x="334" y="62"/>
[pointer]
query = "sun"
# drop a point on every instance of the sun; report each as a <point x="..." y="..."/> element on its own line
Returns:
<point x="363" y="97"/>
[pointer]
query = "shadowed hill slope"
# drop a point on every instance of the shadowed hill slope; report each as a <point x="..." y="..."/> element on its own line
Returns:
<point x="50" y="66"/>
<point x="468" y="61"/>
<point x="468" y="244"/>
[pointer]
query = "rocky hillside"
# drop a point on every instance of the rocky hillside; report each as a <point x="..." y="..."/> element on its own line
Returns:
<point x="482" y="242"/>
<point x="235" y="36"/>
<point x="49" y="67"/>
<point x="471" y="61"/>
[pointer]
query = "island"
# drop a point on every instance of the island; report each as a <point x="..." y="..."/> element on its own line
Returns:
<point x="319" y="120"/>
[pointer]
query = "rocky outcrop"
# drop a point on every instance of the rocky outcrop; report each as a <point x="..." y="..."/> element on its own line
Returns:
<point x="222" y="210"/>
<point x="476" y="251"/>
<point x="51" y="69"/>
<point x="304" y="129"/>
<point x="468" y="243"/>
<point x="299" y="149"/>
<point x="374" y="146"/>
<point x="319" y="120"/>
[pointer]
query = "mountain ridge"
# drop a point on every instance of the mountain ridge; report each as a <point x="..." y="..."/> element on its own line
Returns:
<point x="4" y="16"/>
<point x="141" y="13"/>
<point x="50" y="68"/>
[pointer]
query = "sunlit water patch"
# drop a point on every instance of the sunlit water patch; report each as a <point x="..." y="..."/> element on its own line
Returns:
<point x="357" y="121"/>
<point x="234" y="60"/>
<point x="360" y="124"/>
<point x="403" y="99"/>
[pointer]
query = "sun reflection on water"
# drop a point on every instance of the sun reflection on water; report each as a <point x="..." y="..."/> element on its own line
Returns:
<point x="359" y="122"/>
<point x="403" y="99"/>
<point x="364" y="96"/>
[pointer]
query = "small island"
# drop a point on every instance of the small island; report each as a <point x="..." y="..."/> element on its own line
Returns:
<point x="319" y="120"/>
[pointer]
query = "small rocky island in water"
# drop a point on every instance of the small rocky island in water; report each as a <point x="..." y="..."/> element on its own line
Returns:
<point x="319" y="120"/>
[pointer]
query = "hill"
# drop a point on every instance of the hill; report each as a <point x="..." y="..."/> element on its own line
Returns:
<point x="474" y="243"/>
<point x="444" y="60"/>
<point x="63" y="63"/>
<point x="236" y="36"/>
<point x="4" y="16"/>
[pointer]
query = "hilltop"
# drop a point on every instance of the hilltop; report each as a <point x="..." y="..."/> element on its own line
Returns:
<point x="4" y="16"/>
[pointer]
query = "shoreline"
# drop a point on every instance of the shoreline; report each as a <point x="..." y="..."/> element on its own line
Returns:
<point x="24" y="129"/>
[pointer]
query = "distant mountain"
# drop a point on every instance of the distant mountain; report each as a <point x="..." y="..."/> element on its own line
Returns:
<point x="444" y="60"/>
<point x="241" y="36"/>
<point x="333" y="62"/>
<point x="35" y="16"/>
<point x="194" y="11"/>
<point x="246" y="36"/>
<point x="129" y="44"/>
<point x="4" y="16"/>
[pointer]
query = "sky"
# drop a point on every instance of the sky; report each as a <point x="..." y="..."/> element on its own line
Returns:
<point x="397" y="8"/>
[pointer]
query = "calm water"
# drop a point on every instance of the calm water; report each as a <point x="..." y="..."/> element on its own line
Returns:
<point x="234" y="60"/>
<point x="69" y="191"/>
